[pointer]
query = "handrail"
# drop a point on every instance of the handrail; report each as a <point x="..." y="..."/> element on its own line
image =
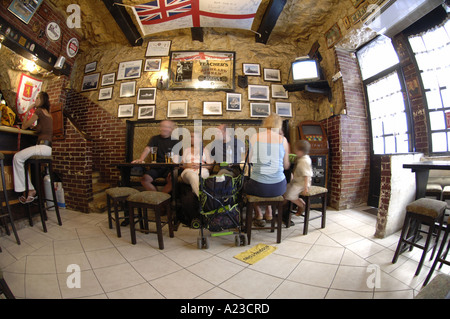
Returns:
<point x="85" y="135"/>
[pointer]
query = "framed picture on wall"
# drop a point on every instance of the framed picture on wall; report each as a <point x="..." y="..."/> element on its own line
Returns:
<point x="158" y="48"/>
<point x="333" y="35"/>
<point x="152" y="65"/>
<point x="24" y="10"/>
<point x="283" y="109"/>
<point x="258" y="93"/>
<point x="129" y="70"/>
<point x="146" y="112"/>
<point x="234" y="102"/>
<point x="105" y="94"/>
<point x="125" y="110"/>
<point x="90" y="67"/>
<point x="259" y="109"/>
<point x="108" y="79"/>
<point x="279" y="92"/>
<point x="212" y="108"/>
<point x="90" y="82"/>
<point x="177" y="108"/>
<point x="146" y="96"/>
<point x="273" y="75"/>
<point x="251" y="69"/>
<point x="128" y="89"/>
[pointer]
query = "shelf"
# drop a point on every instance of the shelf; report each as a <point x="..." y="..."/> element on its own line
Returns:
<point x="319" y="87"/>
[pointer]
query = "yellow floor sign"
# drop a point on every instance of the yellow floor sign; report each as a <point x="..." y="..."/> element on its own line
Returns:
<point x="255" y="253"/>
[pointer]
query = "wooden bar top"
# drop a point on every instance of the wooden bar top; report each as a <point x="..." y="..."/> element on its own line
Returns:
<point x="444" y="165"/>
<point x="9" y="129"/>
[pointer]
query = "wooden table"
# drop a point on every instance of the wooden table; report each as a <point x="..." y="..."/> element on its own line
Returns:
<point x="422" y="170"/>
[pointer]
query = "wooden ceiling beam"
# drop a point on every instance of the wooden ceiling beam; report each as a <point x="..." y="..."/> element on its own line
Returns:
<point x="269" y="20"/>
<point x="124" y="21"/>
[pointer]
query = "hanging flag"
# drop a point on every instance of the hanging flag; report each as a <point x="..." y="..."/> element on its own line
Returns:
<point x="26" y="95"/>
<point x="164" y="15"/>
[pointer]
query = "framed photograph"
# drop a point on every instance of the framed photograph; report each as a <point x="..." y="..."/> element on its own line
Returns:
<point x="356" y="3"/>
<point x="212" y="108"/>
<point x="90" y="82"/>
<point x="251" y="69"/>
<point x="146" y="112"/>
<point x="152" y="65"/>
<point x="234" y="102"/>
<point x="126" y="110"/>
<point x="108" y="79"/>
<point x="158" y="48"/>
<point x="129" y="70"/>
<point x="333" y="35"/>
<point x="128" y="89"/>
<point x="259" y="109"/>
<point x="258" y="93"/>
<point x="202" y="70"/>
<point x="273" y="75"/>
<point x="105" y="94"/>
<point x="278" y="92"/>
<point x="146" y="96"/>
<point x="23" y="9"/>
<point x="283" y="109"/>
<point x="90" y="67"/>
<point x="177" y="108"/>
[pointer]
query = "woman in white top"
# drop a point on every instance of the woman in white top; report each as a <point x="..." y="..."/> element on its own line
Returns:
<point x="191" y="163"/>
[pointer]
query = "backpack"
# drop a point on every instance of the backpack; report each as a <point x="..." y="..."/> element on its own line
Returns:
<point x="8" y="115"/>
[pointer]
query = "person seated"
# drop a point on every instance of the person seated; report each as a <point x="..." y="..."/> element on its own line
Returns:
<point x="269" y="155"/>
<point x="226" y="149"/>
<point x="164" y="143"/>
<point x="301" y="180"/>
<point x="191" y="163"/>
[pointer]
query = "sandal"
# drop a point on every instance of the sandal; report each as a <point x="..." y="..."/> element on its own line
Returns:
<point x="268" y="218"/>
<point x="259" y="222"/>
<point x="27" y="200"/>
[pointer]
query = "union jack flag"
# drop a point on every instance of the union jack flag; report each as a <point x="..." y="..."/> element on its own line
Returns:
<point x="163" y="15"/>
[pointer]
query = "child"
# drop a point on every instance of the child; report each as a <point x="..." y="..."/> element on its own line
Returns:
<point x="301" y="181"/>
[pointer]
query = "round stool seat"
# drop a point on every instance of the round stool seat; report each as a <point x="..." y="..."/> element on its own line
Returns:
<point x="256" y="199"/>
<point x="149" y="197"/>
<point x="2" y="156"/>
<point x="121" y="191"/>
<point x="38" y="157"/>
<point x="316" y="190"/>
<point x="427" y="207"/>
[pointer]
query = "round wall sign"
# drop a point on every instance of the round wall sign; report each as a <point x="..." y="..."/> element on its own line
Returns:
<point x="72" y="47"/>
<point x="53" y="31"/>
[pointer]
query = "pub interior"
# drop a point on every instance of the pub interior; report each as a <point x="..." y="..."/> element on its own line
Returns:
<point x="365" y="82"/>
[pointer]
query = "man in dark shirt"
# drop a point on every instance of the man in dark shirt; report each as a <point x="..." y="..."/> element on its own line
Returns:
<point x="164" y="143"/>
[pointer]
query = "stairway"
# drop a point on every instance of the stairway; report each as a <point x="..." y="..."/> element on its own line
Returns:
<point x="98" y="203"/>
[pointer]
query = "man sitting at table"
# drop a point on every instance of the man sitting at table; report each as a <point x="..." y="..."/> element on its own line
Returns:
<point x="164" y="143"/>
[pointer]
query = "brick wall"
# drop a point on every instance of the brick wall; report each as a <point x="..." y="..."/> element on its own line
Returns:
<point x="349" y="140"/>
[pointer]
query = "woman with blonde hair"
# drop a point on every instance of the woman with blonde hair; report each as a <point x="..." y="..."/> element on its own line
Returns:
<point x="269" y="156"/>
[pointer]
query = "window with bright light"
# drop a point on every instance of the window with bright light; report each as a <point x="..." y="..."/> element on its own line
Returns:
<point x="432" y="52"/>
<point x="381" y="74"/>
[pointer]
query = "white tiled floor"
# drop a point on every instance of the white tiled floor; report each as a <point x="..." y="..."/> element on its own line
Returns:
<point x="335" y="262"/>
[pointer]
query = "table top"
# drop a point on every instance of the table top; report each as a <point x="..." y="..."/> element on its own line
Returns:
<point x="165" y="164"/>
<point x="444" y="165"/>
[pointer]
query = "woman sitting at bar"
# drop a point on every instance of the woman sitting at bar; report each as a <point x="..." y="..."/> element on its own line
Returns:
<point x="191" y="163"/>
<point x="44" y="129"/>
<point x="269" y="154"/>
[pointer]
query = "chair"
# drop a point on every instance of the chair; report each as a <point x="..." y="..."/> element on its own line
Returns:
<point x="434" y="190"/>
<point x="38" y="162"/>
<point x="441" y="255"/>
<point x="314" y="192"/>
<point x="277" y="205"/>
<point x="4" y="289"/>
<point x="422" y="211"/>
<point x="158" y="202"/>
<point x="116" y="197"/>
<point x="6" y="216"/>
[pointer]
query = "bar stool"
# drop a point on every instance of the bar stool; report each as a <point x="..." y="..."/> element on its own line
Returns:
<point x="441" y="255"/>
<point x="314" y="192"/>
<point x="38" y="161"/>
<point x="426" y="211"/>
<point x="4" y="289"/>
<point x="116" y="197"/>
<point x="6" y="216"/>
<point x="158" y="202"/>
<point x="277" y="205"/>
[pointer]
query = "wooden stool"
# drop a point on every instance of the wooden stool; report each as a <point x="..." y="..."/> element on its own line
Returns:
<point x="441" y="255"/>
<point x="38" y="161"/>
<point x="6" y="216"/>
<point x="314" y="192"/>
<point x="277" y="205"/>
<point x="157" y="201"/>
<point x="422" y="211"/>
<point x="4" y="289"/>
<point x="115" y="197"/>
